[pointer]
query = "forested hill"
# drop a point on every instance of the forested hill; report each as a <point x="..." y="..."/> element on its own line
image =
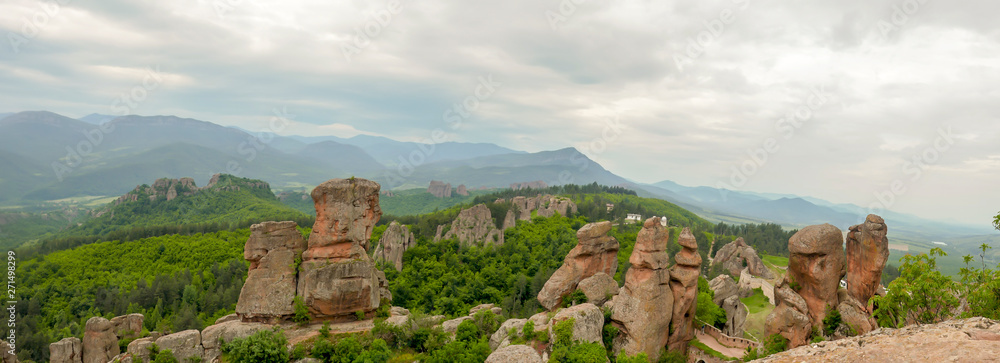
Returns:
<point x="178" y="206"/>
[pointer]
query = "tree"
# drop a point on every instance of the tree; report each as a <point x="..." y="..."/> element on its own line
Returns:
<point x="921" y="293"/>
<point x="265" y="346"/>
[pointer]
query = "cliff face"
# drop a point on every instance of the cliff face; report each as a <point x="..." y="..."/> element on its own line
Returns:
<point x="968" y="340"/>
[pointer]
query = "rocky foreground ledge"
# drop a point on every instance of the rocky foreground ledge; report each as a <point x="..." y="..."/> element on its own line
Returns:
<point x="969" y="340"/>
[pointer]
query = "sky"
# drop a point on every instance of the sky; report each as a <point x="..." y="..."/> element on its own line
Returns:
<point x="884" y="104"/>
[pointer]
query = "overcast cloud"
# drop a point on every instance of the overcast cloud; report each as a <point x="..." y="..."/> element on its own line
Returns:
<point x="875" y="83"/>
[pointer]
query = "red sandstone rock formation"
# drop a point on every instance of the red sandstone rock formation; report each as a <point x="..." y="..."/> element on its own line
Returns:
<point x="643" y="308"/>
<point x="684" y="284"/>
<point x="595" y="252"/>
<point x="815" y="267"/>
<point x="269" y="290"/>
<point x="867" y="253"/>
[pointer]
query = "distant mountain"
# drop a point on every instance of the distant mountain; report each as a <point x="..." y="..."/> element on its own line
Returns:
<point x="97" y="119"/>
<point x="565" y="166"/>
<point x="341" y="157"/>
<point x="796" y="211"/>
<point x="20" y="175"/>
<point x="129" y="150"/>
<point x="388" y="151"/>
<point x="5" y="114"/>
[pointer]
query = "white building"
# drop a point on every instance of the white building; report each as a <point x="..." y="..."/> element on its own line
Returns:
<point x="633" y="217"/>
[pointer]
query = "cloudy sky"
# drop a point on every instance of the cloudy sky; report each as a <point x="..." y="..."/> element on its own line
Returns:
<point x="891" y="103"/>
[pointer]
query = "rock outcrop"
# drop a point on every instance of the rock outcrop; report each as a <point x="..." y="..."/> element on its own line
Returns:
<point x="867" y="253"/>
<point x="684" y="284"/>
<point x="461" y="190"/>
<point x="724" y="287"/>
<point x="439" y="189"/>
<point x="501" y="338"/>
<point x="514" y="353"/>
<point x="184" y="345"/>
<point x="599" y="288"/>
<point x="394" y="241"/>
<point x="968" y="340"/>
<point x="5" y="353"/>
<point x="127" y="326"/>
<point x="337" y="278"/>
<point x="538" y="184"/>
<point x="543" y="205"/>
<point x="790" y="317"/>
<point x="737" y="255"/>
<point x="736" y="316"/>
<point x="213" y="336"/>
<point x="100" y="343"/>
<point x="475" y="225"/>
<point x="510" y="220"/>
<point x="815" y="267"/>
<point x="644" y="306"/>
<point x="588" y="322"/>
<point x="67" y="350"/>
<point x="269" y="290"/>
<point x="595" y="252"/>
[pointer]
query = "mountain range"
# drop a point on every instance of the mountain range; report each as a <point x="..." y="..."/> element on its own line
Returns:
<point x="45" y="156"/>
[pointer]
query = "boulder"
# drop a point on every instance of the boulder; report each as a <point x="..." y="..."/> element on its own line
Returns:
<point x="514" y="353"/>
<point x="856" y="315"/>
<point x="595" y="252"/>
<point x="643" y="308"/>
<point x="475" y="225"/>
<point x="541" y="321"/>
<point x="451" y="326"/>
<point x="226" y="318"/>
<point x="269" y="290"/>
<point x="684" y="284"/>
<point x="815" y="268"/>
<point x="397" y="320"/>
<point x="184" y="345"/>
<point x="724" y="286"/>
<point x="588" y="323"/>
<point x="100" y="343"/>
<point x="394" y="241"/>
<point x="790" y="317"/>
<point x="128" y="326"/>
<point x="599" y="288"/>
<point x="139" y="349"/>
<point x="501" y="337"/>
<point x="226" y="332"/>
<point x="5" y="355"/>
<point x="737" y="255"/>
<point x="867" y="253"/>
<point x="337" y="278"/>
<point x="477" y="308"/>
<point x="736" y="316"/>
<point x="67" y="350"/>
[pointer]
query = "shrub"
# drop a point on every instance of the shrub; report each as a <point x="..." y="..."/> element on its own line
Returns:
<point x="831" y="322"/>
<point x="323" y="350"/>
<point x="609" y="333"/>
<point x="672" y="357"/>
<point x="486" y="321"/>
<point x="576" y="297"/>
<point x="359" y="315"/>
<point x="378" y="352"/>
<point x="638" y="358"/>
<point x="384" y="309"/>
<point x="467" y="331"/>
<point x="301" y="312"/>
<point x="325" y="330"/>
<point x="528" y="331"/>
<point x="265" y="346"/>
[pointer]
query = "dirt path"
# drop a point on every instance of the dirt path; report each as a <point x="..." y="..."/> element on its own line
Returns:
<point x="714" y="344"/>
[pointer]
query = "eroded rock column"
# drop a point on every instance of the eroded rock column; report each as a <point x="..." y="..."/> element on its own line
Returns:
<point x="644" y="306"/>
<point x="684" y="284"/>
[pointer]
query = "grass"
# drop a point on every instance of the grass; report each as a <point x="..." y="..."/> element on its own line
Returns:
<point x="712" y="352"/>
<point x="775" y="260"/>
<point x="757" y="302"/>
<point x="759" y="308"/>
